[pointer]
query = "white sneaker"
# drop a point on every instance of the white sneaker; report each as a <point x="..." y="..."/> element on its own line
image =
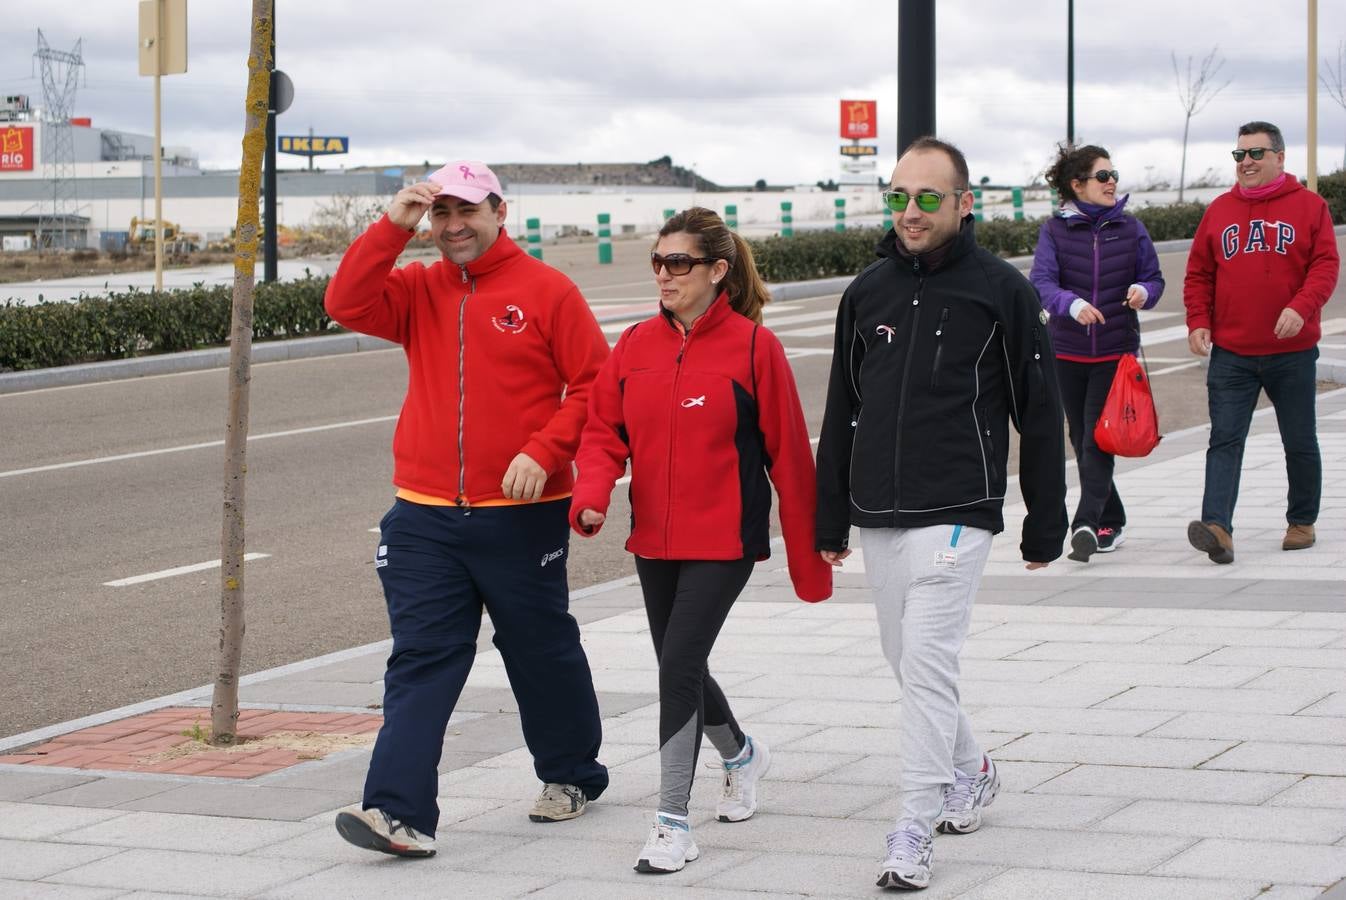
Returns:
<point x="738" y="793"/>
<point x="965" y="799"/>
<point x="668" y="848"/>
<point x="910" y="851"/>
<point x="374" y="829"/>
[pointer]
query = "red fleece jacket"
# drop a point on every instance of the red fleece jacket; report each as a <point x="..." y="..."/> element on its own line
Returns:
<point x="703" y="417"/>
<point x="1251" y="259"/>
<point x="501" y="354"/>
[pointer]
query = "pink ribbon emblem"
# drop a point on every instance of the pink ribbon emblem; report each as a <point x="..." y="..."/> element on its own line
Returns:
<point x="467" y="171"/>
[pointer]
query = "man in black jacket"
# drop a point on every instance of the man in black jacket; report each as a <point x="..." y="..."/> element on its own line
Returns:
<point x="939" y="346"/>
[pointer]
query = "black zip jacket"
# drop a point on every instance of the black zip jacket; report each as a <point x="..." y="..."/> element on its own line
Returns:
<point x="929" y="369"/>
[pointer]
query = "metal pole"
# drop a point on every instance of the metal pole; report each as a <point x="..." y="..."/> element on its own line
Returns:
<point x="915" y="70"/>
<point x="1313" y="97"/>
<point x="269" y="170"/>
<point x="158" y="149"/>
<point x="1070" y="72"/>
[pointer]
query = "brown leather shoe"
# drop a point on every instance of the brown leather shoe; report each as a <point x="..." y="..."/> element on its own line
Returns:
<point x="1211" y="540"/>
<point x="1298" y="537"/>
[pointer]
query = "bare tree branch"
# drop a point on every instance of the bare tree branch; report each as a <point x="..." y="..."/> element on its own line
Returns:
<point x="1335" y="82"/>
<point x="1195" y="92"/>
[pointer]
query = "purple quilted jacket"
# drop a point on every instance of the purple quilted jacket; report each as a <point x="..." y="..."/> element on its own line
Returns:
<point x="1098" y="260"/>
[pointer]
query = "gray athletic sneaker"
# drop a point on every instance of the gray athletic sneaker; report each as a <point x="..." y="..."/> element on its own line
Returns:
<point x="910" y="851"/>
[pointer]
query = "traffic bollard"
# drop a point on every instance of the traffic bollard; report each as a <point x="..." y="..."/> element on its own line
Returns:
<point x="977" y="212"/>
<point x="1018" y="195"/>
<point x="787" y="226"/>
<point x="604" y="239"/>
<point x="840" y="214"/>
<point x="731" y="216"/>
<point x="535" y="238"/>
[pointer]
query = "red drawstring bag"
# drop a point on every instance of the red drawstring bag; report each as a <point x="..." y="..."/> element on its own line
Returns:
<point x="1128" y="425"/>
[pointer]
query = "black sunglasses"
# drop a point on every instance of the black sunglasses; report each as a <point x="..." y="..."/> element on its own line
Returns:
<point x="679" y="263"/>
<point x="1103" y="176"/>
<point x="1254" y="152"/>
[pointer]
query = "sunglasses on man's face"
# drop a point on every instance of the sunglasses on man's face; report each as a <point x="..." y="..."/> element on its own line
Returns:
<point x="1103" y="176"/>
<point x="926" y="201"/>
<point x="679" y="263"/>
<point x="1254" y="152"/>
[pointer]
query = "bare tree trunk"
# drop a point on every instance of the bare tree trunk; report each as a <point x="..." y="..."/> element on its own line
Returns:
<point x="1182" y="169"/>
<point x="224" y="704"/>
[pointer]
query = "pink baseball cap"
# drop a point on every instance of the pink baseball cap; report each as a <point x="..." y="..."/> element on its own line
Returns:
<point x="468" y="179"/>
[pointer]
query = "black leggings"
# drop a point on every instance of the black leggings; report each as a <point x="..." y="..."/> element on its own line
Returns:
<point x="687" y="602"/>
<point x="1084" y="390"/>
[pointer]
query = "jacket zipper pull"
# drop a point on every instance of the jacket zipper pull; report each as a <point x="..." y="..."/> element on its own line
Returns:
<point x="462" y="270"/>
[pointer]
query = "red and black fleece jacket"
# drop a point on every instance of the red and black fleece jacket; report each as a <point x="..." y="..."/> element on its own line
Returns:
<point x="704" y="416"/>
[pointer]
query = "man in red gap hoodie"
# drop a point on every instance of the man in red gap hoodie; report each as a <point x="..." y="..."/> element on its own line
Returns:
<point x="501" y="352"/>
<point x="1262" y="264"/>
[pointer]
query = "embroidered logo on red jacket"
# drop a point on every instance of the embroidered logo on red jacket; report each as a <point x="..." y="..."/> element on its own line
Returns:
<point x="512" y="322"/>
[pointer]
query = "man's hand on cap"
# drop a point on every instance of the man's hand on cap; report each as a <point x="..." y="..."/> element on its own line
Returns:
<point x="411" y="203"/>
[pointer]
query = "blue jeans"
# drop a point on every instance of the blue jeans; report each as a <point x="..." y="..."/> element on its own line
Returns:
<point x="1233" y="383"/>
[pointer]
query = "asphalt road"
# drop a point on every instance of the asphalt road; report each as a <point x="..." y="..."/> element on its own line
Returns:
<point x="112" y="481"/>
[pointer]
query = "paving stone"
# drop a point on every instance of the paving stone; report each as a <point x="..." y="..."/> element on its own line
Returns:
<point x="1167" y="784"/>
<point x="1202" y="618"/>
<point x="1302" y="759"/>
<point x="323" y="843"/>
<point x="22" y="782"/>
<point x="1017" y="884"/>
<point x="29" y="860"/>
<point x="560" y="857"/>
<point x="1279" y="657"/>
<point x="244" y="801"/>
<point x="1302" y="729"/>
<point x="1047" y="631"/>
<point x="835" y="801"/>
<point x="1070" y="721"/>
<point x="802" y="664"/>
<point x="842" y="739"/>
<point x="818" y="687"/>
<point x="651" y="889"/>
<point x="1285" y="678"/>
<point x="35" y="821"/>
<point x="1113" y="750"/>
<point x="1262" y="860"/>
<point x="1160" y="674"/>
<point x="1314" y="791"/>
<point x="1215" y="700"/>
<point x="827" y="876"/>
<point x="1262" y="636"/>
<point x="1124" y="653"/>
<point x="831" y="712"/>
<point x="174" y="871"/>
<point x="168" y="831"/>
<point x="1331" y="705"/>
<point x="1059" y="696"/>
<point x="106" y="793"/>
<point x="1299" y="825"/>
<point x="1061" y="849"/>
<point x="421" y="878"/>
<point x="37" y="890"/>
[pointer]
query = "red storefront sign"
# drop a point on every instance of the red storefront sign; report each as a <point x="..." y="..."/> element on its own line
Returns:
<point x="16" y="149"/>
<point x="859" y="119"/>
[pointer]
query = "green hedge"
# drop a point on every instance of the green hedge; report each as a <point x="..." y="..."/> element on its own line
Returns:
<point x="131" y="323"/>
<point x="126" y="324"/>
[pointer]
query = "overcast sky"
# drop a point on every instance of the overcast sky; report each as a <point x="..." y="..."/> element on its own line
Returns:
<point x="741" y="89"/>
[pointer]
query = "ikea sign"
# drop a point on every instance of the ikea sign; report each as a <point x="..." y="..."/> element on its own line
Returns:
<point x="311" y="145"/>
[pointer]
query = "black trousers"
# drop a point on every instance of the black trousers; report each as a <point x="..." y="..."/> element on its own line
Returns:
<point x="1084" y="390"/>
<point x="687" y="602"/>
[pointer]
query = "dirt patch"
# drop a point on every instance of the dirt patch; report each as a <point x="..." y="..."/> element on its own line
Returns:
<point x="307" y="744"/>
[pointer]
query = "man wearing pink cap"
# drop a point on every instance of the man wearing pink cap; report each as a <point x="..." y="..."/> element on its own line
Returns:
<point x="501" y="351"/>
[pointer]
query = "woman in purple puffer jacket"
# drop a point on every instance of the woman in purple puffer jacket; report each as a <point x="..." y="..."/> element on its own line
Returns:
<point x="1094" y="266"/>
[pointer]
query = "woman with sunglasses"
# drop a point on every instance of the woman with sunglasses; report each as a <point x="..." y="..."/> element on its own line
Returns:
<point x="701" y="400"/>
<point x="1094" y="267"/>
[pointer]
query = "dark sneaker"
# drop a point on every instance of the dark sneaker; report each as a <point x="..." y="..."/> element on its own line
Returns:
<point x="1299" y="537"/>
<point x="965" y="799"/>
<point x="1083" y="544"/>
<point x="374" y="829"/>
<point x="1211" y="540"/>
<point x="558" y="802"/>
<point x="910" y="851"/>
<point x="1109" y="539"/>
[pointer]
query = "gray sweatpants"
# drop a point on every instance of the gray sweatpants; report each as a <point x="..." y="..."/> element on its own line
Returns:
<point x="924" y="582"/>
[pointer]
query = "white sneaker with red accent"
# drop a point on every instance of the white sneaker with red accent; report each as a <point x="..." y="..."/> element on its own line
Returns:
<point x="965" y="799"/>
<point x="374" y="829"/>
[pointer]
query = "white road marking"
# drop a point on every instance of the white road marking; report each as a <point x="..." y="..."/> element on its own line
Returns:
<point x="179" y="570"/>
<point x="826" y="314"/>
<point x="817" y="331"/>
<point x="1175" y="368"/>
<point x="204" y="445"/>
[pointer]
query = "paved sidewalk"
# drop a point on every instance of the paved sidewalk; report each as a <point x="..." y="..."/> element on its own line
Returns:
<point x="1165" y="728"/>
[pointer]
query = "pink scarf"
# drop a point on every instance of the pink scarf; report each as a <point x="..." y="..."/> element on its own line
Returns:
<point x="1263" y="192"/>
